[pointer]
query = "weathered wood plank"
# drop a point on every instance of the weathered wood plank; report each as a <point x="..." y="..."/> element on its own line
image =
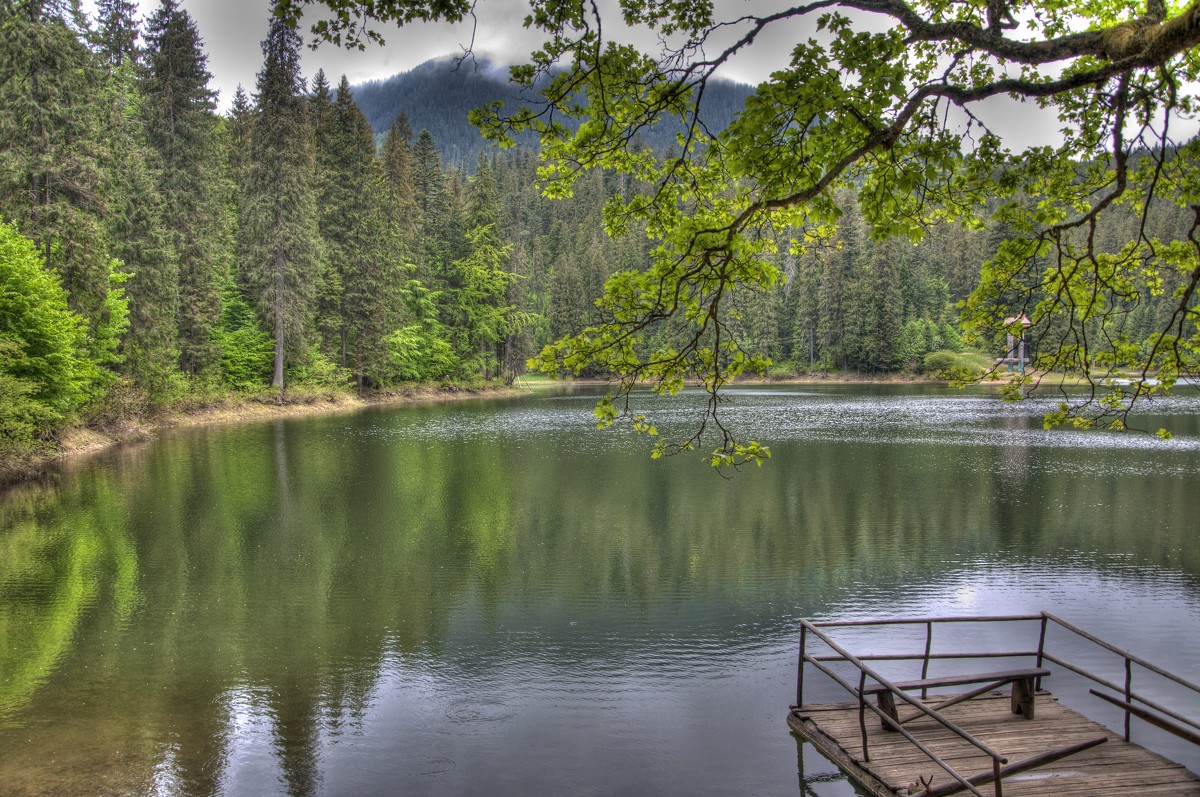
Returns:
<point x="1110" y="769"/>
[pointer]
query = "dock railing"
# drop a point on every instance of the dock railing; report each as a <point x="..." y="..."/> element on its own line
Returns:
<point x="1126" y="698"/>
<point x="1166" y="719"/>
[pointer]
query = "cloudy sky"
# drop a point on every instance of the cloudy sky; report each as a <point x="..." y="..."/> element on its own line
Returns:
<point x="233" y="30"/>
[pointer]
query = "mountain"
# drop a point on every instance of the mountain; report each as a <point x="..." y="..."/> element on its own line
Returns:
<point x="438" y="95"/>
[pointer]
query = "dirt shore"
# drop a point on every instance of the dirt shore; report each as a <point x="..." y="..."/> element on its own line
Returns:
<point x="78" y="441"/>
<point x="83" y="440"/>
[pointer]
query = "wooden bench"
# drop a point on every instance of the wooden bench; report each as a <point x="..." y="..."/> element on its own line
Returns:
<point x="1023" y="689"/>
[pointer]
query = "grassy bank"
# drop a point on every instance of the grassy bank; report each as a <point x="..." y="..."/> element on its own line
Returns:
<point x="82" y="439"/>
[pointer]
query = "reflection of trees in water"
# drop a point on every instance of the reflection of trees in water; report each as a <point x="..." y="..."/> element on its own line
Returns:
<point x="1014" y="459"/>
<point x="50" y="575"/>
<point x="289" y="561"/>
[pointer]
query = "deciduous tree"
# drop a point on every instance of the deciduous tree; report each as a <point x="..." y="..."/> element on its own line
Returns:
<point x="880" y="96"/>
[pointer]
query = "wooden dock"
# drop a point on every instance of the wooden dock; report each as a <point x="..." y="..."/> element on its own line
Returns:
<point x="986" y="732"/>
<point x="1115" y="767"/>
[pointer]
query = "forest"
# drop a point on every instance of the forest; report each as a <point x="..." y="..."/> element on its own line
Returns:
<point x="155" y="253"/>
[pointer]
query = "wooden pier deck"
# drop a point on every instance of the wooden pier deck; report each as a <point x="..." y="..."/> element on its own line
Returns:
<point x="1115" y="767"/>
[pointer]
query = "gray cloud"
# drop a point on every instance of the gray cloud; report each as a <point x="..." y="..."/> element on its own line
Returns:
<point x="233" y="29"/>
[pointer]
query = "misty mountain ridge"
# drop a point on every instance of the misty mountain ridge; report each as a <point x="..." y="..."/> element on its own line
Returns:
<point x="438" y="94"/>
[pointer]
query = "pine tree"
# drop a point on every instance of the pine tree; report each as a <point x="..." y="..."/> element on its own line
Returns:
<point x="476" y="294"/>
<point x="885" y="306"/>
<point x="432" y="195"/>
<point x="51" y="173"/>
<point x="238" y="137"/>
<point x="402" y="214"/>
<point x="837" y="328"/>
<point x="117" y="31"/>
<point x="402" y="209"/>
<point x="181" y="124"/>
<point x="355" y="304"/>
<point x="142" y="242"/>
<point x="279" y="245"/>
<point x="328" y="185"/>
<point x="369" y="274"/>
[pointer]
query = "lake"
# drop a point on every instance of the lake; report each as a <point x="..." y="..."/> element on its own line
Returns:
<point x="495" y="598"/>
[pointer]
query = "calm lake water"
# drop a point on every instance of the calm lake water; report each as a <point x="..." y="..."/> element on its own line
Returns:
<point x="494" y="598"/>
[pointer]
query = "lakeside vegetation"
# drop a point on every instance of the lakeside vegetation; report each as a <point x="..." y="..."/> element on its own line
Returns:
<point x="158" y="256"/>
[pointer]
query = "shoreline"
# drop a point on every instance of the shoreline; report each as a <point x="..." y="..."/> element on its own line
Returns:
<point x="81" y="441"/>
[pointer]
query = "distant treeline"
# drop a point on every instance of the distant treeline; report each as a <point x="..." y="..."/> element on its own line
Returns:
<point x="439" y="94"/>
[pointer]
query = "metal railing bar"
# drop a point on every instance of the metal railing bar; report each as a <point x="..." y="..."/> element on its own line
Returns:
<point x="922" y="620"/>
<point x="1113" y="648"/>
<point x="925" y="661"/>
<point x="1117" y="688"/>
<point x="917" y="704"/>
<point x="1020" y="766"/>
<point x="934" y="657"/>
<point x="800" y="666"/>
<point x="951" y="771"/>
<point x="1156" y="721"/>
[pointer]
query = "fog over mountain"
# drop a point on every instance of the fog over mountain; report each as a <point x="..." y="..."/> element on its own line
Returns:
<point x="438" y="94"/>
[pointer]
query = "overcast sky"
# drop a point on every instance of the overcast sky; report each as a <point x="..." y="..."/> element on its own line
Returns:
<point x="234" y="29"/>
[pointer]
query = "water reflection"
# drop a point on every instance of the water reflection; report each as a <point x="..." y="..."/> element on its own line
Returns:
<point x="495" y="599"/>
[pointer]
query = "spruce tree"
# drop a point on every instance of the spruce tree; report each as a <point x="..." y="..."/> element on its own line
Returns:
<point x="141" y="240"/>
<point x="433" y="201"/>
<point x="238" y="126"/>
<point x="401" y="207"/>
<point x="355" y="304"/>
<point x="181" y="124"/>
<point x="329" y="186"/>
<point x="279" y="246"/>
<point x="368" y="271"/>
<point x="51" y="137"/>
<point x="117" y="31"/>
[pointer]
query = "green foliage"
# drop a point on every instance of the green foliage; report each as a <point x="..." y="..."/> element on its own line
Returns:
<point x="829" y="224"/>
<point x="181" y="127"/>
<point x="886" y="108"/>
<point x="51" y="134"/>
<point x="420" y="351"/>
<point x="23" y="419"/>
<point x="45" y="376"/>
<point x="316" y="371"/>
<point x="279" y="246"/>
<point x="949" y="365"/>
<point x="246" y="350"/>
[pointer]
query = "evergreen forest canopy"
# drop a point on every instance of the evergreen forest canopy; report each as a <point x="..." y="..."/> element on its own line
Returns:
<point x="154" y="253"/>
<point x="880" y="101"/>
<point x="439" y="95"/>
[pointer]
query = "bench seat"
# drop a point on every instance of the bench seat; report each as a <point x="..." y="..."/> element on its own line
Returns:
<point x="1022" y="681"/>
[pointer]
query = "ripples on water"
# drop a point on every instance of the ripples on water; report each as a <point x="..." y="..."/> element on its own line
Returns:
<point x="783" y="415"/>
